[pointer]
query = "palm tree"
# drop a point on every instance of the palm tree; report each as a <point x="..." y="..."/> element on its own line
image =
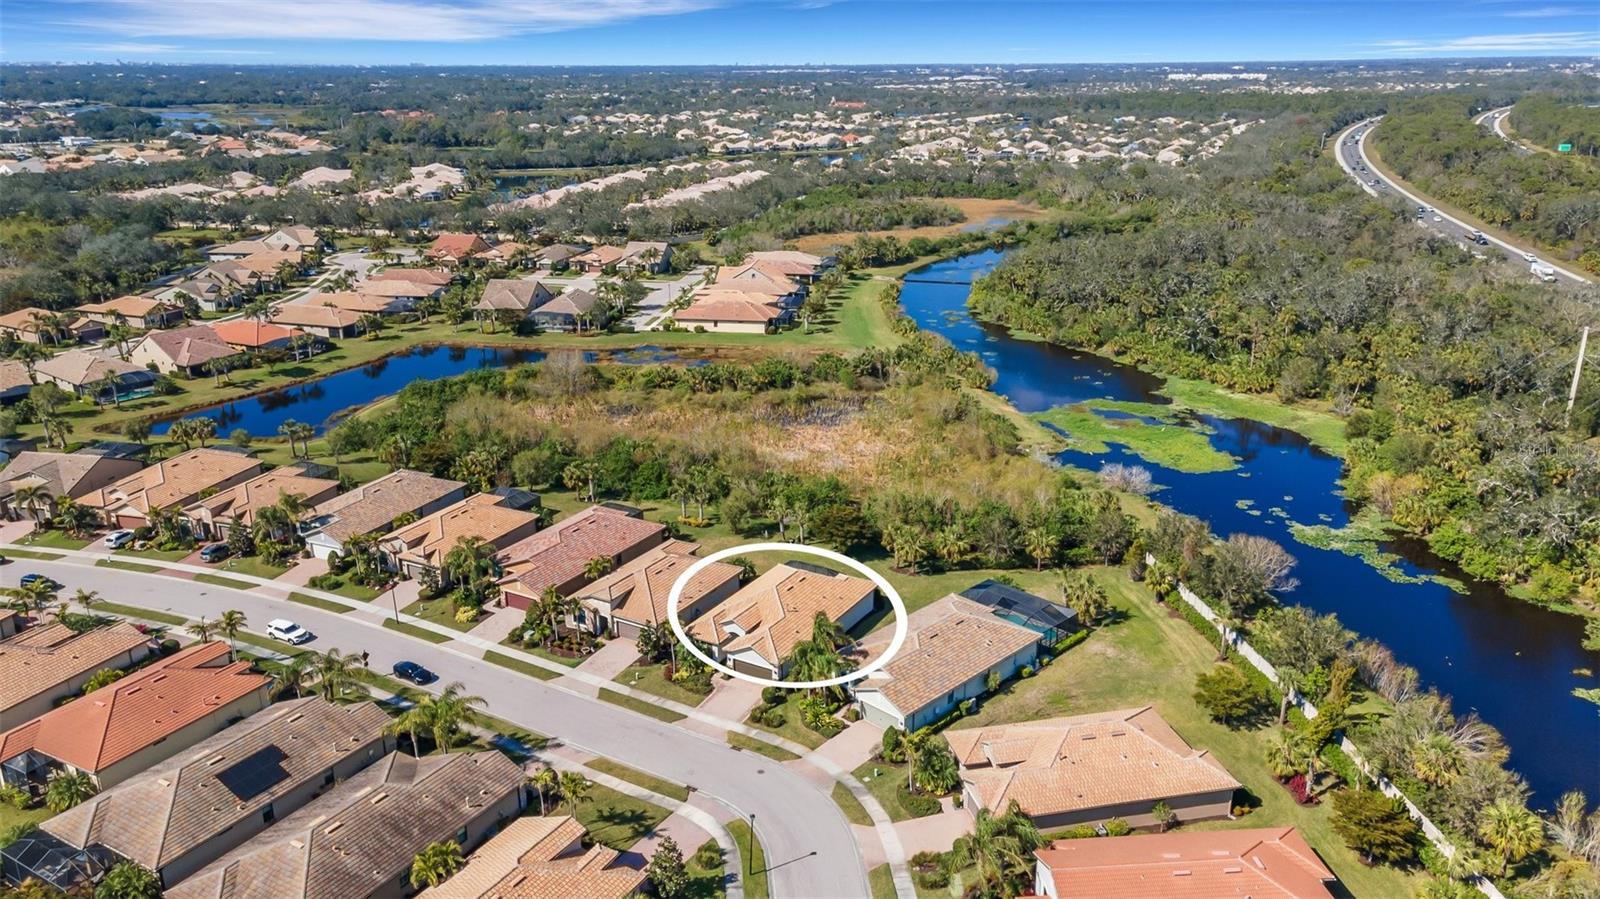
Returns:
<point x="436" y="863"/>
<point x="32" y="497"/>
<point x="1084" y="595"/>
<point x="913" y="742"/>
<point x="1040" y="542"/>
<point x="39" y="593"/>
<point x="335" y="674"/>
<point x="202" y="629"/>
<point x="950" y="545"/>
<point x="1228" y="620"/>
<point x="290" y="430"/>
<point x="121" y="336"/>
<point x="304" y="432"/>
<point x="66" y="789"/>
<point x="87" y="599"/>
<point x="555" y="608"/>
<point x="410" y="722"/>
<point x="574" y="787"/>
<point x="296" y="673"/>
<point x="544" y="781"/>
<point x="1002" y="849"/>
<point x="108" y="385"/>
<point x="597" y="567"/>
<point x="129" y="880"/>
<point x="581" y="475"/>
<point x="1513" y="832"/>
<point x="230" y="624"/>
<point x="448" y="711"/>
<point x="471" y="558"/>
<point x="1163" y="814"/>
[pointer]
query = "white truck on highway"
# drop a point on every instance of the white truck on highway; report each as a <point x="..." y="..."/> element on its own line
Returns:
<point x="1543" y="271"/>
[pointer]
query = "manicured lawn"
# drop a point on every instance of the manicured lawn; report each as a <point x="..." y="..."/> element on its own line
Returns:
<point x="125" y="566"/>
<point x="751" y="744"/>
<point x="881" y="881"/>
<point x="255" y="566"/>
<point x="220" y="581"/>
<point x="884" y="781"/>
<point x="112" y="608"/>
<point x="706" y="881"/>
<point x="640" y="706"/>
<point x="56" y="540"/>
<point x="439" y="611"/>
<point x="32" y="554"/>
<point x="640" y="779"/>
<point x="549" y="656"/>
<point x="854" y="811"/>
<point x="1152" y="658"/>
<point x="317" y="602"/>
<point x="616" y="819"/>
<point x="518" y="665"/>
<point x="752" y="861"/>
<point x="792" y="729"/>
<point x="11" y="817"/>
<point x="163" y="555"/>
<point x="357" y="592"/>
<point x="653" y="679"/>
<point x="412" y="630"/>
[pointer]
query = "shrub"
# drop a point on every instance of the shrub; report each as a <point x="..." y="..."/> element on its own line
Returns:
<point x="14" y="796"/>
<point x="325" y="582"/>
<point x="918" y="804"/>
<point x="1117" y="827"/>
<point x="773" y="695"/>
<point x="708" y="856"/>
<point x="1027" y="671"/>
<point x="1077" y="832"/>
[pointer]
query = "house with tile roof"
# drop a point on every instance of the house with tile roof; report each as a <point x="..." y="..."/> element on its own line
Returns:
<point x="215" y="515"/>
<point x="732" y="312"/>
<point x="28" y="325"/>
<point x="252" y="335"/>
<point x="1260" y="863"/>
<point x="402" y="294"/>
<point x="453" y="248"/>
<point x="556" y="556"/>
<point x="555" y="257"/>
<point x="517" y="295"/>
<point x="15" y="382"/>
<point x="358" y="840"/>
<point x="236" y="250"/>
<point x="44" y="663"/>
<point x="597" y="259"/>
<point x="186" y="812"/>
<point x="756" y="629"/>
<point x="361" y="303"/>
<point x="372" y="508"/>
<point x="952" y="645"/>
<point x="299" y="238"/>
<point x="1088" y="769"/>
<point x="171" y="483"/>
<point x="130" y="724"/>
<point x="422" y="545"/>
<point x="138" y="312"/>
<point x="571" y="310"/>
<point x="211" y="294"/>
<point x="61" y="475"/>
<point x="437" y="277"/>
<point x="192" y="351"/>
<point x="541" y="858"/>
<point x="805" y="267"/>
<point x="634" y="595"/>
<point x="86" y="373"/>
<point x="329" y="322"/>
<point x="762" y="278"/>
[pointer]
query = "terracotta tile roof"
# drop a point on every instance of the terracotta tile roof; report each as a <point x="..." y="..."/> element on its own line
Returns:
<point x="266" y="262"/>
<point x="558" y="554"/>
<point x="60" y="473"/>
<point x="83" y="368"/>
<point x="415" y="275"/>
<point x="358" y="303"/>
<point x="127" y="306"/>
<point x="637" y="590"/>
<point x="428" y="539"/>
<point x="374" y="506"/>
<point x="1084" y="762"/>
<point x="187" y="347"/>
<point x="1265" y="863"/>
<point x="239" y="248"/>
<point x="247" y="332"/>
<point x="757" y="276"/>
<point x="359" y="838"/>
<point x="791" y="262"/>
<point x="241" y="501"/>
<point x="174" y="481"/>
<point x="23" y="320"/>
<point x="776" y="610"/>
<point x="313" y="315"/>
<point x="394" y="287"/>
<point x="603" y="255"/>
<point x="104" y="727"/>
<point x="457" y="246"/>
<point x="576" y="301"/>
<point x="948" y="643"/>
<point x="518" y="295"/>
<point x="13" y="375"/>
<point x="722" y="306"/>
<point x="171" y="809"/>
<point x="540" y="858"/>
<point x="41" y="658"/>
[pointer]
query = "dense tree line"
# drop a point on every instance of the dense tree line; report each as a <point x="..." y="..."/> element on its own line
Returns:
<point x="1268" y="271"/>
<point x="1548" y="121"/>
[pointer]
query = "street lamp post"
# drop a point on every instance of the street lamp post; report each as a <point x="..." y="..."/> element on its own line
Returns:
<point x="394" y="603"/>
<point x="750" y="854"/>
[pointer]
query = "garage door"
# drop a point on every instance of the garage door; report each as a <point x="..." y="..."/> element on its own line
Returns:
<point x="878" y="716"/>
<point x="625" y="628"/>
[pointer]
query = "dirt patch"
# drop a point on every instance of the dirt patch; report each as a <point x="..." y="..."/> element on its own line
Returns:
<point x="979" y="212"/>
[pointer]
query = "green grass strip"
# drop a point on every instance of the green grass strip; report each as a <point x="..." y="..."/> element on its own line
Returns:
<point x="519" y="666"/>
<point x="640" y="706"/>
<point x="218" y="580"/>
<point x="854" y="811"/>
<point x="136" y="612"/>
<point x="412" y="630"/>
<point x="128" y="566"/>
<point x="31" y="554"/>
<point x="317" y="602"/>
<point x="776" y="753"/>
<point x="640" y="779"/>
<point x="753" y="861"/>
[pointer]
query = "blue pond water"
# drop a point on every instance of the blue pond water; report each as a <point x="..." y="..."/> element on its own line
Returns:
<point x="319" y="402"/>
<point x="1510" y="661"/>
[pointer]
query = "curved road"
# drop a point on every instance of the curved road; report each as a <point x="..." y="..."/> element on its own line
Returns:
<point x="810" y="847"/>
<point x="1351" y="151"/>
<point x="1495" y="121"/>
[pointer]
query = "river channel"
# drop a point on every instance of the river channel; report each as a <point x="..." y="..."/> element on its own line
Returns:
<point x="1509" y="660"/>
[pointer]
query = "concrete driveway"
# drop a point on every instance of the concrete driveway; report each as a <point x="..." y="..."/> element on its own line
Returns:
<point x="810" y="847"/>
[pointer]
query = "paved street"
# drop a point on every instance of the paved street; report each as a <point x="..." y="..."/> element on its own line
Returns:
<point x="810" y="846"/>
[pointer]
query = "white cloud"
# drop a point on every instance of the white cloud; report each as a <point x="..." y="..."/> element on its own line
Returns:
<point x="1549" y="41"/>
<point x="1544" y="12"/>
<point x="370" y="20"/>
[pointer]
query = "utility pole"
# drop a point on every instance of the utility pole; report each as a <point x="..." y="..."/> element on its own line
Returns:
<point x="1577" y="371"/>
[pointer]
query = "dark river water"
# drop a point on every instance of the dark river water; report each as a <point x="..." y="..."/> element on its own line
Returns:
<point x="1509" y="660"/>
<point x="319" y="402"/>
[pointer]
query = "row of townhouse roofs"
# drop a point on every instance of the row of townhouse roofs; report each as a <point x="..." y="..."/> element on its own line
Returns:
<point x="75" y="152"/>
<point x="757" y="296"/>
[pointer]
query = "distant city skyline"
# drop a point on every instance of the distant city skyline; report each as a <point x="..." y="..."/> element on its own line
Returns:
<point x="786" y="32"/>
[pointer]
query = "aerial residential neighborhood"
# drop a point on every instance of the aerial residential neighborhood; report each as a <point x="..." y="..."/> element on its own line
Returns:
<point x="722" y="451"/>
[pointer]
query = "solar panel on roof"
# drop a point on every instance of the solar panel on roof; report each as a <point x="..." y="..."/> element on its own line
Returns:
<point x="255" y="773"/>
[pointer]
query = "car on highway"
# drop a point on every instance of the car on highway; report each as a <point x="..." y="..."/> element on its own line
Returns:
<point x="414" y="673"/>
<point x="119" y="539"/>
<point x="1530" y="257"/>
<point x="32" y="578"/>
<point x="287" y="631"/>
<point x="1437" y="219"/>
<point x="215" y="552"/>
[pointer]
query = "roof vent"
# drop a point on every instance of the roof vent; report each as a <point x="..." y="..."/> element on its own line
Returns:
<point x="334" y="827"/>
<point x="298" y="843"/>
<point x="1181" y="872"/>
<point x="378" y="798"/>
<point x="296" y="717"/>
<point x="1233" y="869"/>
<point x="215" y="759"/>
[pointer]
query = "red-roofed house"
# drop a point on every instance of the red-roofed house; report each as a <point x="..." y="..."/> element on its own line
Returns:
<point x="249" y="334"/>
<point x="133" y="723"/>
<point x="556" y="556"/>
<point x="1264" y="863"/>
<point x="453" y="248"/>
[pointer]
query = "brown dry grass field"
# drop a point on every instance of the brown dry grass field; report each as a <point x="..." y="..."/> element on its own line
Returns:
<point x="977" y="211"/>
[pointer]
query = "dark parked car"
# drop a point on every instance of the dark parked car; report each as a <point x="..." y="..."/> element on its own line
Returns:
<point x="216" y="552"/>
<point x="413" y="672"/>
<point x="31" y="578"/>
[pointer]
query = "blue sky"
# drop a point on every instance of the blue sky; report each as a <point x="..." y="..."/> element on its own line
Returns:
<point x="687" y="32"/>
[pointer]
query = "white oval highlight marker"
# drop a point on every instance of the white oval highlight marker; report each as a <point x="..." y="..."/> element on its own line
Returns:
<point x="889" y="592"/>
